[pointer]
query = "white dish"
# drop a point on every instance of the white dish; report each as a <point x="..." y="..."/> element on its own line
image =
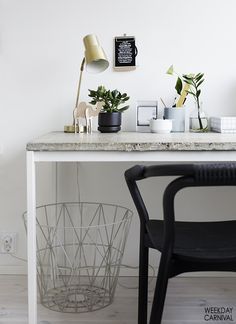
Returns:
<point x="161" y="126"/>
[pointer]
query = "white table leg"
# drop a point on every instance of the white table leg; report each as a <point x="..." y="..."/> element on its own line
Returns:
<point x="31" y="239"/>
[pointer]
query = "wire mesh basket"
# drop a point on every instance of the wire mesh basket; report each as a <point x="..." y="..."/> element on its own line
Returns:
<point x="79" y="252"/>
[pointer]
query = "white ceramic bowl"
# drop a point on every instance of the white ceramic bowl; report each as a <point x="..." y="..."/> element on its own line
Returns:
<point x="161" y="126"/>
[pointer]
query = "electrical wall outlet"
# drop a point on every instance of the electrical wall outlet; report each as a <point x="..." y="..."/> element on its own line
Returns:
<point x="7" y="242"/>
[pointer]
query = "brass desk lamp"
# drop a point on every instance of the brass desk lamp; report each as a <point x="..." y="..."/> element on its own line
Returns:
<point x="96" y="61"/>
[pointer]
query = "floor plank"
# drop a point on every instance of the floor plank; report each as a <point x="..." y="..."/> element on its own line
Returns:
<point x="185" y="303"/>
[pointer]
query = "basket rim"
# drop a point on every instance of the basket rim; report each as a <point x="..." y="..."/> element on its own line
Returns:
<point x="128" y="217"/>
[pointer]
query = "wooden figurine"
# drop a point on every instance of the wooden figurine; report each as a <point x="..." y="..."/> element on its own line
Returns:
<point x="88" y="112"/>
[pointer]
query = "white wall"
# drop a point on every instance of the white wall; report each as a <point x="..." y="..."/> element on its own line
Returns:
<point x="40" y="54"/>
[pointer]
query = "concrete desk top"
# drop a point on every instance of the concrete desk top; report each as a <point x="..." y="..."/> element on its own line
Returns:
<point x="133" y="141"/>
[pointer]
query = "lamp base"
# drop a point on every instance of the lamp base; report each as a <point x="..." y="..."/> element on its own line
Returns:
<point x="71" y="129"/>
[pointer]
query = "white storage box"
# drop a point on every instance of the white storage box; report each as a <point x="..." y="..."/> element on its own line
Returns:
<point x="223" y="124"/>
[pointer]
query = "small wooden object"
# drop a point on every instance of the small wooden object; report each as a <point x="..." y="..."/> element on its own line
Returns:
<point x="87" y="111"/>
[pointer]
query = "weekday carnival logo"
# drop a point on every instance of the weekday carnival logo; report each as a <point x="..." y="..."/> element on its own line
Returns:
<point x="218" y="314"/>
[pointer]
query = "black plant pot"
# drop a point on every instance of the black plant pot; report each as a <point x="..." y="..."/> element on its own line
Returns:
<point x="109" y="122"/>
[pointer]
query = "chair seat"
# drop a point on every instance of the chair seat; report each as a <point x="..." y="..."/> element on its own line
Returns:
<point x="203" y="241"/>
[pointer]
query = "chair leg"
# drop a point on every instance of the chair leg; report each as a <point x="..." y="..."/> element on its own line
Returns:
<point x="143" y="284"/>
<point x="160" y="290"/>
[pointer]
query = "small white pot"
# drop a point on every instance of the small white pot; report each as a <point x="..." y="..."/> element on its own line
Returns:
<point x="161" y="126"/>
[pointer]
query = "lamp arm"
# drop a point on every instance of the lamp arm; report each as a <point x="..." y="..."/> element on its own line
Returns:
<point x="80" y="79"/>
<point x="79" y="86"/>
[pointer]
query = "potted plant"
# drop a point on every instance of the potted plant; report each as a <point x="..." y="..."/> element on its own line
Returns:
<point x="198" y="122"/>
<point x="177" y="112"/>
<point x="187" y="84"/>
<point x="181" y="88"/>
<point x="109" y="118"/>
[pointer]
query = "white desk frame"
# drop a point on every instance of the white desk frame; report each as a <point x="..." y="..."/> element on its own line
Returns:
<point x="92" y="156"/>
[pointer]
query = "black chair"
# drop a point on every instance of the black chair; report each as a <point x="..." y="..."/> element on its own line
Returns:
<point x="184" y="246"/>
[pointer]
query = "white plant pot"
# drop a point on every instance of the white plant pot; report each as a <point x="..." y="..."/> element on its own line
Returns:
<point x="161" y="126"/>
<point x="178" y="116"/>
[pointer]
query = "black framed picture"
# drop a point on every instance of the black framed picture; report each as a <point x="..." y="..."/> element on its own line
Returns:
<point x="125" y="52"/>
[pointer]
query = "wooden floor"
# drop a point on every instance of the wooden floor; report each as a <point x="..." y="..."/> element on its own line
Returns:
<point x="186" y="302"/>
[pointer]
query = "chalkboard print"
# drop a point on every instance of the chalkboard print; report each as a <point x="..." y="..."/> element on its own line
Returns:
<point x="125" y="53"/>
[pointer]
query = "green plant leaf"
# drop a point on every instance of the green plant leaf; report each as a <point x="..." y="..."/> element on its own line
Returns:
<point x="112" y="98"/>
<point x="190" y="92"/>
<point x="188" y="82"/>
<point x="200" y="82"/>
<point x="115" y="93"/>
<point x="109" y="95"/>
<point x="198" y="93"/>
<point x="170" y="70"/>
<point x="199" y="76"/>
<point x="101" y="88"/>
<point x="188" y="77"/>
<point x="123" y="108"/>
<point x="179" y="86"/>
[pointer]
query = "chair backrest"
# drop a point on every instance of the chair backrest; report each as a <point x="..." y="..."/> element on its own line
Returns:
<point x="190" y="175"/>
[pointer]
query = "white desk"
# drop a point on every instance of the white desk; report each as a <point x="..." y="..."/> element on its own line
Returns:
<point x="60" y="147"/>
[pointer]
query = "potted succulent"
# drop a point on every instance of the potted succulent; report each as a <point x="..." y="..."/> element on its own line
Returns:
<point x="109" y="118"/>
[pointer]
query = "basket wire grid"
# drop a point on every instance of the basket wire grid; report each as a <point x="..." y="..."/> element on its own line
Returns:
<point x="79" y="252"/>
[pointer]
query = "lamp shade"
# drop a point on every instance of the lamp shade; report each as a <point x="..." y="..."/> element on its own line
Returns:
<point x="95" y="57"/>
